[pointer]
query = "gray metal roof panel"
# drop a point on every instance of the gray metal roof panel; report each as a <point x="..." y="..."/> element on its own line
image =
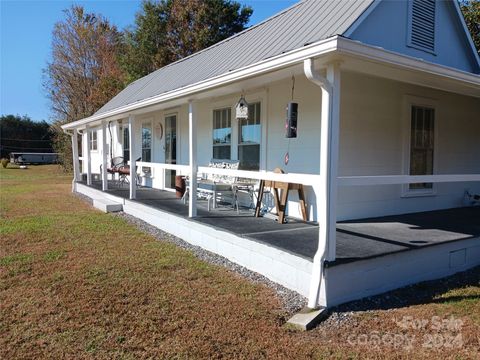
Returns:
<point x="303" y="23"/>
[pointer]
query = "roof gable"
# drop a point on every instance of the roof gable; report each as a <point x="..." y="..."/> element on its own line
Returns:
<point x="387" y="24"/>
<point x="304" y="23"/>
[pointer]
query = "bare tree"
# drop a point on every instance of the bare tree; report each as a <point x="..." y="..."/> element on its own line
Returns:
<point x="84" y="72"/>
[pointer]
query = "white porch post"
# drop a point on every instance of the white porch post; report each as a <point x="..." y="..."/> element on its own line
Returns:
<point x="76" y="163"/>
<point x="326" y="191"/>
<point x="133" y="168"/>
<point x="104" y="157"/>
<point x="192" y="150"/>
<point x="89" y="157"/>
<point x="330" y="150"/>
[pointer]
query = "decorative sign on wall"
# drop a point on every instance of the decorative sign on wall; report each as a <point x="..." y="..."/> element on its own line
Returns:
<point x="159" y="131"/>
<point x="241" y="109"/>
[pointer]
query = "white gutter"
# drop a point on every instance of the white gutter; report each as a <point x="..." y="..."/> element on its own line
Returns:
<point x="266" y="66"/>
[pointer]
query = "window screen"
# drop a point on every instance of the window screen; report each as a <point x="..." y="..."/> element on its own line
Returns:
<point x="126" y="145"/>
<point x="93" y="140"/>
<point x="249" y="137"/>
<point x="422" y="144"/>
<point x="147" y="142"/>
<point x="222" y="133"/>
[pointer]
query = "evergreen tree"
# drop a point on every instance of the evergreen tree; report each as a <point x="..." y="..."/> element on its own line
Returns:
<point x="168" y="30"/>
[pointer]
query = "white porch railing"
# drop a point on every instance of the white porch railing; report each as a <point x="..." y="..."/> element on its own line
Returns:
<point x="404" y="179"/>
<point x="162" y="166"/>
<point x="298" y="178"/>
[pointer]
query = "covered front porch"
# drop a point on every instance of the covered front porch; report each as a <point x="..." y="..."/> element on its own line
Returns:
<point x="356" y="239"/>
<point x="371" y="250"/>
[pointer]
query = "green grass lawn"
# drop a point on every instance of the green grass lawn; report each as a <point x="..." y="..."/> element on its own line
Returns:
<point x="78" y="283"/>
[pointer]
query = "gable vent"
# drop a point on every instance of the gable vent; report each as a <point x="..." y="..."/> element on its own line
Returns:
<point x="422" y="24"/>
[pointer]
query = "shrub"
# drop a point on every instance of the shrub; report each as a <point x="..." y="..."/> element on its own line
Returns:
<point x="4" y="162"/>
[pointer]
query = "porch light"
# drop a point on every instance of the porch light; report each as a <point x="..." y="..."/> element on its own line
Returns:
<point x="241" y="109"/>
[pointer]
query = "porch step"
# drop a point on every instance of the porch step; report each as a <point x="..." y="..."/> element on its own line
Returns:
<point x="307" y="318"/>
<point x="107" y="206"/>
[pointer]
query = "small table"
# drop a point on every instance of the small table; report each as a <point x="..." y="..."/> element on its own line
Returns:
<point x="243" y="186"/>
<point x="281" y="201"/>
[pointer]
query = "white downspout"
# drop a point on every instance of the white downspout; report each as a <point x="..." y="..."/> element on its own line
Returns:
<point x="323" y="189"/>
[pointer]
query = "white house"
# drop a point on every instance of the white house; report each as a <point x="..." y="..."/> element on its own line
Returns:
<point x="387" y="146"/>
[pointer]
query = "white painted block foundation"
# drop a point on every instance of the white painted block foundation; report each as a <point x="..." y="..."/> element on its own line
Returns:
<point x="107" y="205"/>
<point x="364" y="278"/>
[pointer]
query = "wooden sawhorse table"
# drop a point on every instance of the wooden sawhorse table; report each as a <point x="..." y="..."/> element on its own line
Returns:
<point x="281" y="200"/>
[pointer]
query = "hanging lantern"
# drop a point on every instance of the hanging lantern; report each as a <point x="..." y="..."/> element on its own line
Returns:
<point x="241" y="109"/>
<point x="291" y="123"/>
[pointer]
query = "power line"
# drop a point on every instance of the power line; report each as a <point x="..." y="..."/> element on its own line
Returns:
<point x="24" y="148"/>
<point x="23" y="140"/>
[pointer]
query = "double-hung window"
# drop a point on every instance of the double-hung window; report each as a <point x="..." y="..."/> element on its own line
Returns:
<point x="249" y="137"/>
<point x="222" y="133"/>
<point x="126" y="145"/>
<point x="93" y="140"/>
<point x="147" y="142"/>
<point x="422" y="141"/>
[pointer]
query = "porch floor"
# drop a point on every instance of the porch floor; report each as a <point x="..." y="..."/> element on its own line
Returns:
<point x="356" y="240"/>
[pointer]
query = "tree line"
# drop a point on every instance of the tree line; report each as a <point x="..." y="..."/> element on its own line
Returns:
<point x="22" y="134"/>
<point x="92" y="60"/>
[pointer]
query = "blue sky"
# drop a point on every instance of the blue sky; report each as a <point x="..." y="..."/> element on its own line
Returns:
<point x="25" y="39"/>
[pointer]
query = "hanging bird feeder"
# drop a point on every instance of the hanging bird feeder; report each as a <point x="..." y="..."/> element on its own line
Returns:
<point x="241" y="109"/>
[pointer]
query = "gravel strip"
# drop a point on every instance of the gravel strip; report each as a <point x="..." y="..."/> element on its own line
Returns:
<point x="290" y="300"/>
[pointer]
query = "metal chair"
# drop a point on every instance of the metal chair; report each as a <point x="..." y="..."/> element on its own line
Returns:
<point x="124" y="173"/>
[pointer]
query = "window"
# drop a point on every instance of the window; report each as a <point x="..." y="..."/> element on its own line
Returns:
<point x="93" y="140"/>
<point x="126" y="145"/>
<point x="249" y="136"/>
<point x="421" y="29"/>
<point x="422" y="136"/>
<point x="222" y="133"/>
<point x="147" y="142"/>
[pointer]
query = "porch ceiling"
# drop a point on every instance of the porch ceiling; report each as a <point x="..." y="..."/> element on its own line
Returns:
<point x="370" y="60"/>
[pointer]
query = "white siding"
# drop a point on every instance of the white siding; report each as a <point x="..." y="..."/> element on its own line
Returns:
<point x="371" y="140"/>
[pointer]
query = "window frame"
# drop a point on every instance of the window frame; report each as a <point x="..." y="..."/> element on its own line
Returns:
<point x="232" y="133"/>
<point x="259" y="144"/>
<point x="409" y="102"/>
<point x="230" y="101"/>
<point x="150" y="125"/>
<point x="92" y="141"/>
<point x="125" y="129"/>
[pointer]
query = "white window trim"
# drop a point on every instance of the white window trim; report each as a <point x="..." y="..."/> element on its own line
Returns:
<point x="233" y="131"/>
<point x="164" y="145"/>
<point x="89" y="138"/>
<point x="124" y="127"/>
<point x="408" y="102"/>
<point x="149" y="122"/>
<point x="230" y="102"/>
<point x="409" y="30"/>
<point x="179" y="133"/>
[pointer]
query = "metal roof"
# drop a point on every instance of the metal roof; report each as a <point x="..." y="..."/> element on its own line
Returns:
<point x="304" y="23"/>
